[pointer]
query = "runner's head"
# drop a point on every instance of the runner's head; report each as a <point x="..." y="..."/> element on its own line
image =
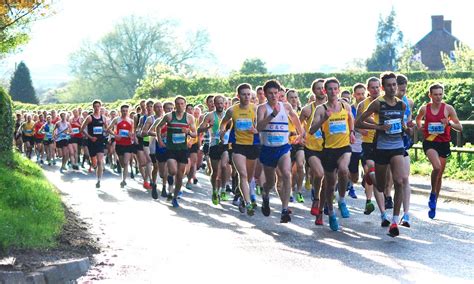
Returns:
<point x="402" y="82"/>
<point x="75" y="112"/>
<point x="346" y="96"/>
<point x="124" y="111"/>
<point x="317" y="88"/>
<point x="168" y="107"/>
<point x="389" y="83"/>
<point x="272" y="91"/>
<point x="158" y="109"/>
<point x="142" y="105"/>
<point x="373" y="87"/>
<point x="253" y="97"/>
<point x="292" y="98"/>
<point x="235" y="100"/>
<point x="40" y="117"/>
<point x="210" y="103"/>
<point x="63" y="116"/>
<point x="96" y="105"/>
<point x="331" y="88"/>
<point x="48" y="118"/>
<point x="190" y="109"/>
<point x="436" y="92"/>
<point x="180" y="104"/>
<point x="358" y="92"/>
<point x="219" y="103"/>
<point x="260" y="95"/>
<point x="197" y="112"/>
<point x="243" y="93"/>
<point x="113" y="114"/>
<point x="149" y="107"/>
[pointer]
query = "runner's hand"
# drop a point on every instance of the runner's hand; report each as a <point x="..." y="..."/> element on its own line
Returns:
<point x="384" y="127"/>
<point x="352" y="137"/>
<point x="93" y="139"/>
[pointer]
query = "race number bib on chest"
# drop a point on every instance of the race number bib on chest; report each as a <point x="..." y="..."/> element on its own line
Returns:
<point x="395" y="126"/>
<point x="435" y="128"/>
<point x="123" y="133"/>
<point x="178" y="138"/>
<point x="318" y="134"/>
<point x="275" y="138"/>
<point x="97" y="130"/>
<point x="75" y="130"/>
<point x="49" y="136"/>
<point x="243" y="124"/>
<point x="337" y="127"/>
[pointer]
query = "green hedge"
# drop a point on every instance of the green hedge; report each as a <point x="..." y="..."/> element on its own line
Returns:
<point x="6" y="124"/>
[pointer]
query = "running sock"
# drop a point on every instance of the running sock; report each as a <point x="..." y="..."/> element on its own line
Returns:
<point x="170" y="180"/>
<point x="252" y="187"/>
<point x="368" y="201"/>
<point x="395" y="219"/>
<point x="342" y="200"/>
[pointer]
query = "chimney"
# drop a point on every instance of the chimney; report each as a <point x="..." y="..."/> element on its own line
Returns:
<point x="447" y="26"/>
<point x="437" y="23"/>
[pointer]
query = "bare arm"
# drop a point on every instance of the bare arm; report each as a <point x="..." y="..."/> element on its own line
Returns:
<point x="452" y="115"/>
<point x="263" y="120"/>
<point x="205" y="123"/>
<point x="420" y="116"/>
<point x="319" y="118"/>
<point x="192" y="127"/>
<point x="363" y="120"/>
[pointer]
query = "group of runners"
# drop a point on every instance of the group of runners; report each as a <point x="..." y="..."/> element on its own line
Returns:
<point x="261" y="140"/>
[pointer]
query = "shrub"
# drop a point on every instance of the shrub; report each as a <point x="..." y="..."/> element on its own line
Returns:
<point x="6" y="124"/>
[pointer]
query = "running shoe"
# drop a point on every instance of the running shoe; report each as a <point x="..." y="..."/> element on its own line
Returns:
<point x="169" y="197"/>
<point x="344" y="211"/>
<point x="405" y="222"/>
<point x="228" y="188"/>
<point x="307" y="184"/>
<point x="189" y="185"/>
<point x="123" y="184"/>
<point x="195" y="180"/>
<point x="175" y="203"/>
<point x="388" y="202"/>
<point x="432" y="206"/>
<point x="154" y="192"/>
<point x="393" y="231"/>
<point x="333" y="224"/>
<point x="224" y="196"/>
<point x="215" y="197"/>
<point x="163" y="192"/>
<point x="146" y="185"/>
<point x="132" y="176"/>
<point x="319" y="220"/>
<point x="266" y="206"/>
<point x="299" y="197"/>
<point x="180" y="194"/>
<point x="258" y="190"/>
<point x="250" y="209"/>
<point x="41" y="162"/>
<point x="97" y="185"/>
<point x="292" y="199"/>
<point x="385" y="220"/>
<point x="61" y="170"/>
<point x="285" y="216"/>
<point x="369" y="207"/>
<point x="241" y="205"/>
<point x="432" y="213"/>
<point x="236" y="200"/>
<point x="351" y="191"/>
<point x="315" y="211"/>
<point x="253" y="200"/>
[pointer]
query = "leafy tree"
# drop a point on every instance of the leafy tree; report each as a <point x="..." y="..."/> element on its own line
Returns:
<point x="253" y="66"/>
<point x="409" y="61"/>
<point x="463" y="58"/>
<point x="389" y="39"/>
<point x="120" y="59"/>
<point x="21" y="86"/>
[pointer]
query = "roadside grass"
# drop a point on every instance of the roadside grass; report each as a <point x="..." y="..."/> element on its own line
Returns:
<point x="31" y="213"/>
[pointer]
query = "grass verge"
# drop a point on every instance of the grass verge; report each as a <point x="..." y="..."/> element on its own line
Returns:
<point x="31" y="213"/>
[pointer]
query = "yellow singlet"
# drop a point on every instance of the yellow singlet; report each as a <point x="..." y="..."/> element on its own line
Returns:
<point x="314" y="142"/>
<point x="242" y="122"/>
<point x="336" y="130"/>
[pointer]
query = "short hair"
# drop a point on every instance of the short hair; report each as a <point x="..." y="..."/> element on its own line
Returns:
<point x="291" y="91"/>
<point x="313" y="84"/>
<point x="387" y="75"/>
<point x="209" y="97"/>
<point x="259" y="88"/>
<point x="97" y="102"/>
<point x="179" y="98"/>
<point x="124" y="106"/>
<point x="372" y="79"/>
<point x="357" y="86"/>
<point x="142" y="102"/>
<point x="189" y="105"/>
<point x="150" y="102"/>
<point x="218" y="97"/>
<point x="165" y="104"/>
<point x="331" y="80"/>
<point x="435" y="86"/>
<point x="243" y="86"/>
<point x="345" y="92"/>
<point x="402" y="79"/>
<point x="271" y="84"/>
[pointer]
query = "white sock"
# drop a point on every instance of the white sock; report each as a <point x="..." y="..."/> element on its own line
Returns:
<point x="342" y="199"/>
<point x="252" y="187"/>
<point x="395" y="219"/>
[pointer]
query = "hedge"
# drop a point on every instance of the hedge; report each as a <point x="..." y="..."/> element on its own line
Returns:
<point x="6" y="125"/>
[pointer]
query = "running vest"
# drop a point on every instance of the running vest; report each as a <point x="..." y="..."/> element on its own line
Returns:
<point x="28" y="128"/>
<point x="314" y="142"/>
<point x="194" y="140"/>
<point x="407" y="109"/>
<point x="37" y="127"/>
<point x="176" y="136"/>
<point x="276" y="131"/>
<point x="214" y="131"/>
<point x="357" y="146"/>
<point x="292" y="133"/>
<point x="392" y="115"/>
<point x="96" y="128"/>
<point x="336" y="129"/>
<point x="48" y="131"/>
<point x="62" y="131"/>
<point x="243" y="120"/>
<point x="123" y="129"/>
<point x="369" y="138"/>
<point x="75" y="128"/>
<point x="434" y="129"/>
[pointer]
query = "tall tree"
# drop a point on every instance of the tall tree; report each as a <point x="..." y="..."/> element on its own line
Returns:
<point x="253" y="66"/>
<point x="21" y="86"/>
<point x="122" y="57"/>
<point x="462" y="58"/>
<point x="389" y="41"/>
<point x="410" y="60"/>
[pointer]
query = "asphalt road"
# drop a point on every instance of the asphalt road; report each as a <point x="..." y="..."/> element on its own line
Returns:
<point x="148" y="241"/>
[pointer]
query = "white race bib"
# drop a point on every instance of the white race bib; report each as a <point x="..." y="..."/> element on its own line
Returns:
<point x="178" y="138"/>
<point x="28" y="131"/>
<point x="123" y="133"/>
<point x="274" y="138"/>
<point x="337" y="127"/>
<point x="75" y="130"/>
<point x="318" y="134"/>
<point x="226" y="137"/>
<point x="243" y="124"/>
<point x="395" y="126"/>
<point x="49" y="136"/>
<point x="97" y="130"/>
<point x="435" y="128"/>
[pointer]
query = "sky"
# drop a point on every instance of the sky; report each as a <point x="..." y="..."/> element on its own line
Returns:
<point x="290" y="36"/>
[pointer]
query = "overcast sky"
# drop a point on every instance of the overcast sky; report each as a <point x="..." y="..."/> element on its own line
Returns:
<point x="243" y="29"/>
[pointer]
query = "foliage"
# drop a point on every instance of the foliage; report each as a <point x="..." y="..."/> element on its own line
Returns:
<point x="463" y="58"/>
<point x="6" y="124"/>
<point x="31" y="213"/>
<point x="120" y="59"/>
<point x="409" y="61"/>
<point x="389" y="39"/>
<point x="253" y="66"/>
<point x="21" y="86"/>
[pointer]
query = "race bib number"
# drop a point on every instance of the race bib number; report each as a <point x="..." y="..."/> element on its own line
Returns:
<point x="75" y="130"/>
<point x="123" y="133"/>
<point x="49" y="136"/>
<point x="395" y="126"/>
<point x="28" y="131"/>
<point x="97" y="130"/>
<point x="62" y="136"/>
<point x="337" y="127"/>
<point x="435" y="128"/>
<point x="163" y="139"/>
<point x="178" y="138"/>
<point x="275" y="138"/>
<point x="243" y="124"/>
<point x="318" y="134"/>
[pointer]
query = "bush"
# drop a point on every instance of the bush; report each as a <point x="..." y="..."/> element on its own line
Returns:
<point x="6" y="124"/>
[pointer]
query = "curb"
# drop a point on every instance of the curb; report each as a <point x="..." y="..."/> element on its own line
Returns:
<point x="60" y="272"/>
<point x="444" y="196"/>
